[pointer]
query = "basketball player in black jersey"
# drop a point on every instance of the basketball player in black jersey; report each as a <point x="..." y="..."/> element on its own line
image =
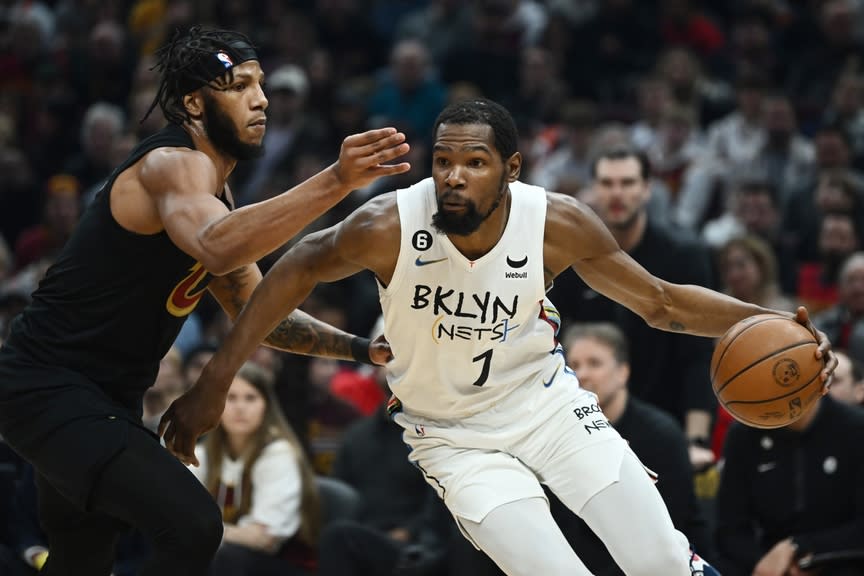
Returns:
<point x="160" y="233"/>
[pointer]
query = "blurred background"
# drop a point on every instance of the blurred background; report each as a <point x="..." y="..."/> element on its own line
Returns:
<point x="750" y="111"/>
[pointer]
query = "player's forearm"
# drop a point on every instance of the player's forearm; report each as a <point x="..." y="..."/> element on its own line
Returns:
<point x="247" y="234"/>
<point x="302" y="334"/>
<point x="284" y="287"/>
<point x="699" y="311"/>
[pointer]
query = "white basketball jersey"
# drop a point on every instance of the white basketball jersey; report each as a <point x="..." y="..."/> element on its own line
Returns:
<point x="465" y="333"/>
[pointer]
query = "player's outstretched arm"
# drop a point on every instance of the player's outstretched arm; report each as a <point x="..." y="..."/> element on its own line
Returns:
<point x="300" y="333"/>
<point x="582" y="241"/>
<point x="358" y="242"/>
<point x="578" y="238"/>
<point x="182" y="185"/>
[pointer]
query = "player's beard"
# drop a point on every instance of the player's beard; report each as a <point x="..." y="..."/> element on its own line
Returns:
<point x="470" y="220"/>
<point x="223" y="133"/>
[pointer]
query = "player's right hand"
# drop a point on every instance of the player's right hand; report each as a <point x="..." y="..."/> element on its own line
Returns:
<point x="823" y="352"/>
<point x="364" y="157"/>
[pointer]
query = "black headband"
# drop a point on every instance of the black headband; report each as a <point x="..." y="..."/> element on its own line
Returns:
<point x="216" y="64"/>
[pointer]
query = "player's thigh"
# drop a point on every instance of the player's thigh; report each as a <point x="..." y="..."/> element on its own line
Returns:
<point x="631" y="519"/>
<point x="148" y="488"/>
<point x="522" y="539"/>
<point x="473" y="482"/>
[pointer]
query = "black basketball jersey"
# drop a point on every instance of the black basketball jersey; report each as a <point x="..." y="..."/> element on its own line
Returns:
<point x="112" y="304"/>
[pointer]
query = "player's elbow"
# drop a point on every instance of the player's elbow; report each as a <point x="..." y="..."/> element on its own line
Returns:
<point x="220" y="264"/>
<point x="658" y="307"/>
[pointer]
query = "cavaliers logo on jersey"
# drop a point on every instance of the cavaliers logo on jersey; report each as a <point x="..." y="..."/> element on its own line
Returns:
<point x="186" y="294"/>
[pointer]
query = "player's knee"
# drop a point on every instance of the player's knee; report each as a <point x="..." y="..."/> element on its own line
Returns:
<point x="666" y="558"/>
<point x="196" y="531"/>
<point x="205" y="529"/>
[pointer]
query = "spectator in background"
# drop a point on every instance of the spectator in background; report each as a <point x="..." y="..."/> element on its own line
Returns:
<point x="101" y="128"/>
<point x="751" y="209"/>
<point x="257" y="472"/>
<point x="599" y="355"/>
<point x="541" y="91"/>
<point x="748" y="271"/>
<point x="848" y="383"/>
<point x="677" y="147"/>
<point x="846" y="109"/>
<point x="107" y="65"/>
<point x="566" y="168"/>
<point x="817" y="281"/>
<point x="738" y="137"/>
<point x="652" y="99"/>
<point x="440" y="26"/>
<point x="691" y="86"/>
<point x="733" y="141"/>
<point x="60" y="213"/>
<point x="791" y="492"/>
<point x="786" y="155"/>
<point x="621" y="192"/>
<point x="844" y="322"/>
<point x="408" y="94"/>
<point x="831" y="190"/>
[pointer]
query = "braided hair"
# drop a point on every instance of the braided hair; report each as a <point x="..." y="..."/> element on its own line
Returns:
<point x="194" y="58"/>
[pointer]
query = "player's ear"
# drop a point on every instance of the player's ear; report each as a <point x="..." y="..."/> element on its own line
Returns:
<point x="194" y="104"/>
<point x="513" y="166"/>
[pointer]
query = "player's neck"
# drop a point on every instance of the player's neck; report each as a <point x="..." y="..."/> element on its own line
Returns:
<point x="224" y="164"/>
<point x="482" y="240"/>
<point x="630" y="236"/>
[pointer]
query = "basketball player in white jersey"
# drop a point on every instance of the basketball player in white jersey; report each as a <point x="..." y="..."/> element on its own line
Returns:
<point x="463" y="260"/>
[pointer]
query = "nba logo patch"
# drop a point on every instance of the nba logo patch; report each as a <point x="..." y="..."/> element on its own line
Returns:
<point x="225" y="59"/>
<point x="420" y="430"/>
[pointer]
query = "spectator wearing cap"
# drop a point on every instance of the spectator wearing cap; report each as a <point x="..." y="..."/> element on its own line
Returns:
<point x="60" y="213"/>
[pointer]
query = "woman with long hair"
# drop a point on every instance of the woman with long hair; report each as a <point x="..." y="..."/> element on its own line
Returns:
<point x="256" y="469"/>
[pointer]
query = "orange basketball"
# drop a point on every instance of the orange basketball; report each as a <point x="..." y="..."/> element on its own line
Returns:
<point x="764" y="371"/>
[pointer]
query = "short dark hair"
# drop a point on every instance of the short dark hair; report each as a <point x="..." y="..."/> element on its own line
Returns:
<point x="192" y="59"/>
<point x="622" y="153"/>
<point x="487" y="112"/>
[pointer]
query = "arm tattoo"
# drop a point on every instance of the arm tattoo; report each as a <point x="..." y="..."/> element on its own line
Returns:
<point x="676" y="326"/>
<point x="302" y="334"/>
<point x="235" y="285"/>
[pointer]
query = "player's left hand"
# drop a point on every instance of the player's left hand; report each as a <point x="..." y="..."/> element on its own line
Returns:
<point x="824" y="352"/>
<point x="379" y="351"/>
<point x="189" y="416"/>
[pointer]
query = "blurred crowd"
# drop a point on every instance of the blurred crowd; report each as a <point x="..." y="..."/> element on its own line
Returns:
<point x="749" y="112"/>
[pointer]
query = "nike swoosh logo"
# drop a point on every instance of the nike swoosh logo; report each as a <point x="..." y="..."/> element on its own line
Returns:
<point x="420" y="262"/>
<point x="517" y="263"/>
<point x="766" y="467"/>
<point x="552" y="379"/>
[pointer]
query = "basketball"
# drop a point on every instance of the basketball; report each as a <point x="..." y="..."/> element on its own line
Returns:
<point x="764" y="371"/>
